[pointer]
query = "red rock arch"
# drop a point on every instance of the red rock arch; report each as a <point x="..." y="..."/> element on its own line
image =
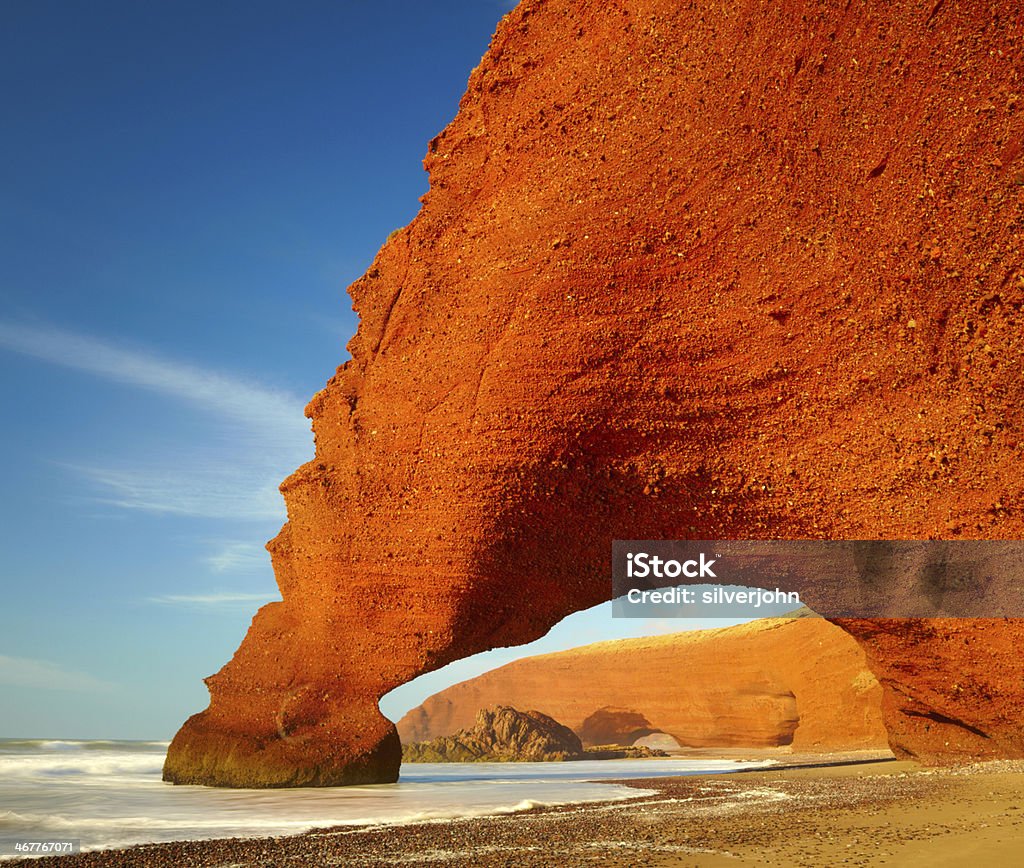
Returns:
<point x="733" y="272"/>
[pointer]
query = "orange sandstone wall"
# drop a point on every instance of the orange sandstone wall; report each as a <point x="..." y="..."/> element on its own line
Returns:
<point x="729" y="270"/>
<point x="803" y="682"/>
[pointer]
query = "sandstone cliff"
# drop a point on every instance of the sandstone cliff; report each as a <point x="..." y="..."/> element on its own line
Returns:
<point x="802" y="681"/>
<point x="735" y="270"/>
<point x="500" y="734"/>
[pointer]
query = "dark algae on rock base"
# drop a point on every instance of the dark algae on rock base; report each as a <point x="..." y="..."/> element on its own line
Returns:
<point x="501" y="734"/>
<point x="683" y="271"/>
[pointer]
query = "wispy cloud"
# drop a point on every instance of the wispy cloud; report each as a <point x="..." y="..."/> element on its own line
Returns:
<point x="197" y="486"/>
<point x="274" y="411"/>
<point x="267" y="432"/>
<point x="26" y="672"/>
<point x="237" y="556"/>
<point x="214" y="599"/>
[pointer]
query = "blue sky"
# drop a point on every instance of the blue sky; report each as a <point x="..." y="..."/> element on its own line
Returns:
<point x="188" y="188"/>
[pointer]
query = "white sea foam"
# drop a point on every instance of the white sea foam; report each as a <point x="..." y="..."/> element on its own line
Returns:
<point x="96" y="764"/>
<point x="110" y="794"/>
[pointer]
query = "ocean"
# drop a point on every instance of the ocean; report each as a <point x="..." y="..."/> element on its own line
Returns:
<point x="109" y="794"/>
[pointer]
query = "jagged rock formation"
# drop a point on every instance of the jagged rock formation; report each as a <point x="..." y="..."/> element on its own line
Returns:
<point x="800" y="682"/>
<point x="723" y="271"/>
<point x="500" y="734"/>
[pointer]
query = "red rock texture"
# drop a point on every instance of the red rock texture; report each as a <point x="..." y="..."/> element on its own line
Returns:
<point x="732" y="271"/>
<point x="953" y="688"/>
<point x="802" y="682"/>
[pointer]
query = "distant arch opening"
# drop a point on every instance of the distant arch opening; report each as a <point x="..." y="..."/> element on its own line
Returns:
<point x="669" y="684"/>
<point x="659" y="741"/>
<point x="618" y="726"/>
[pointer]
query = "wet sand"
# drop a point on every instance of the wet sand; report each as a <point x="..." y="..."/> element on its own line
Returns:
<point x="805" y="812"/>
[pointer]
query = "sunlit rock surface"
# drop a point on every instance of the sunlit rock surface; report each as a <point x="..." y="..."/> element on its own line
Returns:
<point x="684" y="270"/>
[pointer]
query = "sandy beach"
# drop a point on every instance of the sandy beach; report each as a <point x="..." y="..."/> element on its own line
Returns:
<point x="806" y="811"/>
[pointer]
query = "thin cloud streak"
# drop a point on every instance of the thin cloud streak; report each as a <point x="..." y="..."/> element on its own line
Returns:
<point x="198" y="491"/>
<point x="272" y="410"/>
<point x="43" y="674"/>
<point x="237" y="556"/>
<point x="267" y="432"/>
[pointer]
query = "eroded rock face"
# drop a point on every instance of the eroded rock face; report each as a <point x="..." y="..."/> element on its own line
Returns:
<point x="802" y="682"/>
<point x="500" y="734"/>
<point x="608" y="724"/>
<point x="953" y="689"/>
<point x="683" y="271"/>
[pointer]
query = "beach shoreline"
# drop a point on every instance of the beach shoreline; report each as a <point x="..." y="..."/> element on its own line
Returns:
<point x="806" y="810"/>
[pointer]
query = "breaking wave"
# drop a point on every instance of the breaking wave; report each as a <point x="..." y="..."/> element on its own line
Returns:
<point x="110" y="794"/>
